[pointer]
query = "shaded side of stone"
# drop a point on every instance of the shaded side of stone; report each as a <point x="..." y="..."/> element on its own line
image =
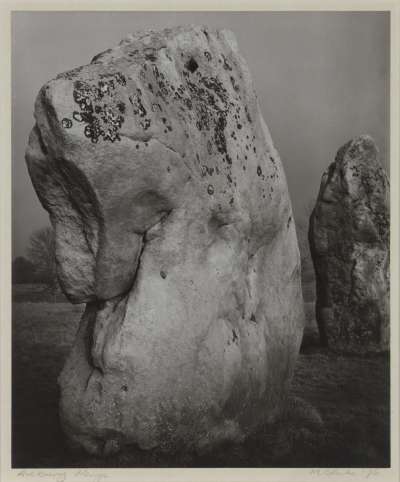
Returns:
<point x="349" y="242"/>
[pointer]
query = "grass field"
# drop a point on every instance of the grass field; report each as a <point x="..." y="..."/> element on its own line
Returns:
<point x="351" y="393"/>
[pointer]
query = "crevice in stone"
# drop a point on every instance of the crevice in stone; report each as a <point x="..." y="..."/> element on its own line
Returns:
<point x="90" y="312"/>
<point x="170" y="148"/>
<point x="138" y="263"/>
<point x="138" y="138"/>
<point x="148" y="138"/>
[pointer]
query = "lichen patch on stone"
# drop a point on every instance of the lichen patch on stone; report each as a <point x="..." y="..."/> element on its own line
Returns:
<point x="100" y="106"/>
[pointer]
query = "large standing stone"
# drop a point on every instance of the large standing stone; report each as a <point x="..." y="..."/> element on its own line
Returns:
<point x="349" y="241"/>
<point x="173" y="223"/>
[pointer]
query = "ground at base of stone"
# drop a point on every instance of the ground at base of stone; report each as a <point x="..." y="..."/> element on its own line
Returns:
<point x="351" y="393"/>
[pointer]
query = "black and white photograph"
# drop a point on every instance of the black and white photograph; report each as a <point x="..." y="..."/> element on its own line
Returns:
<point x="201" y="228"/>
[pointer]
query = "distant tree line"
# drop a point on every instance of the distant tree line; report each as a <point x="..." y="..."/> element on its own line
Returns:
<point x="40" y="265"/>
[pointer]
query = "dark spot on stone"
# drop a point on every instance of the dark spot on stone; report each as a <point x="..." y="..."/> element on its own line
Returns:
<point x="226" y="64"/>
<point x="289" y="221"/>
<point x="188" y="103"/>
<point x="168" y="169"/>
<point x="219" y="134"/>
<point x="210" y="189"/>
<point x="191" y="65"/>
<point x="239" y="126"/>
<point x="207" y="55"/>
<point x="164" y="119"/>
<point x="259" y="171"/>
<point x="234" y="336"/>
<point x="124" y="388"/>
<point x="231" y="201"/>
<point x="163" y="274"/>
<point x="247" y="114"/>
<point x="253" y="318"/>
<point x="137" y="146"/>
<point x="120" y="78"/>
<point x="156" y="107"/>
<point x="66" y="123"/>
<point x="121" y="107"/>
<point x="138" y="107"/>
<point x="254" y="149"/>
<point x="229" y="178"/>
<point x="88" y="131"/>
<point x="145" y="124"/>
<point x="77" y="116"/>
<point x="234" y="84"/>
<point x="151" y="57"/>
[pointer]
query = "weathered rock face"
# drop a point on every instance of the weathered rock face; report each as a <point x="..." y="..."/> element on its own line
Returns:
<point x="349" y="241"/>
<point x="173" y="223"/>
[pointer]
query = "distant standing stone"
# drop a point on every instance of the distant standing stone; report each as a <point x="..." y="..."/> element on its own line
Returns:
<point x="349" y="242"/>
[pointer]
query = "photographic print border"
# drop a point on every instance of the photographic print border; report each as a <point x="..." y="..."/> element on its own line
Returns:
<point x="98" y="475"/>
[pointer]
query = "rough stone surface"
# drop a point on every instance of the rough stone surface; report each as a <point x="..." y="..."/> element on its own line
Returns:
<point x="174" y="224"/>
<point x="349" y="241"/>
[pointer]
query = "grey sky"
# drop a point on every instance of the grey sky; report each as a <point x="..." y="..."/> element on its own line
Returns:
<point x="321" y="78"/>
